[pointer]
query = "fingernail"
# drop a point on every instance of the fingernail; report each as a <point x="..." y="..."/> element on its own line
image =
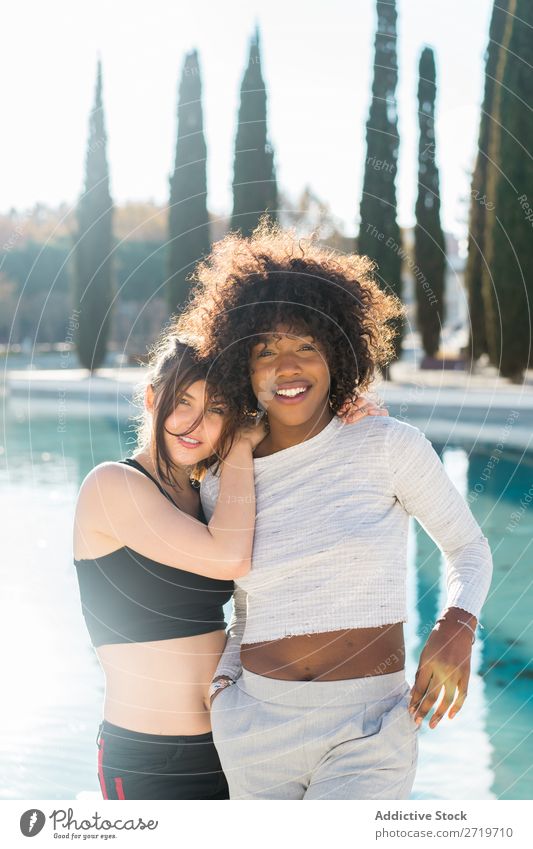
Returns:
<point x="418" y="720"/>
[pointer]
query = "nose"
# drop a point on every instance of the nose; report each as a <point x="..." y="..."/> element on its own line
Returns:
<point x="196" y="433"/>
<point x="288" y="364"/>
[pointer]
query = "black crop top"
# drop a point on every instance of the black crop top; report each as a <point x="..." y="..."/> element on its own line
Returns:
<point x="128" y="598"/>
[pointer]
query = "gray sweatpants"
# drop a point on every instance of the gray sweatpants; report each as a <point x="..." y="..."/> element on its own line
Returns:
<point x="352" y="739"/>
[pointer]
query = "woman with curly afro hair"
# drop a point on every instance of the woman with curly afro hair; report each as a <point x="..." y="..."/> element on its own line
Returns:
<point x="310" y="698"/>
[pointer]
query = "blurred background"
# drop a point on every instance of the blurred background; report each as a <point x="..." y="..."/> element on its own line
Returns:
<point x="134" y="138"/>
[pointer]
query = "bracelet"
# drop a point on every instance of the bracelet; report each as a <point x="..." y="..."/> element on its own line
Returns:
<point x="461" y="622"/>
<point x="219" y="685"/>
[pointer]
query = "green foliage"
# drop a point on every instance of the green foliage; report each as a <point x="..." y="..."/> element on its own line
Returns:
<point x="508" y="276"/>
<point x="379" y="233"/>
<point x="189" y="231"/>
<point x="480" y="204"/>
<point x="93" y="246"/>
<point x="254" y="181"/>
<point x="37" y="268"/>
<point x="429" y="239"/>
<point x="34" y="293"/>
<point x="43" y="268"/>
<point x="140" y="271"/>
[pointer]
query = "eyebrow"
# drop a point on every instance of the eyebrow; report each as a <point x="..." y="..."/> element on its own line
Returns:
<point x="210" y="400"/>
<point x="277" y="337"/>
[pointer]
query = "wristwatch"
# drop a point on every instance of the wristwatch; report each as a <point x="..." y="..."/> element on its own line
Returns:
<point x="219" y="685"/>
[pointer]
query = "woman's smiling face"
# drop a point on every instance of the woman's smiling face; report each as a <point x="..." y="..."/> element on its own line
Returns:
<point x="290" y="376"/>
<point x="189" y="448"/>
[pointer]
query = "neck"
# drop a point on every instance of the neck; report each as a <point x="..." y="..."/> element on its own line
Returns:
<point x="283" y="436"/>
<point x="145" y="459"/>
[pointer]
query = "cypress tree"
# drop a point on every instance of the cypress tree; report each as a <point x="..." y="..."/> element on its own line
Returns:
<point x="480" y="204"/>
<point x="379" y="233"/>
<point x="188" y="222"/>
<point x="508" y="277"/>
<point x="254" y="181"/>
<point x="93" y="291"/>
<point x="430" y="248"/>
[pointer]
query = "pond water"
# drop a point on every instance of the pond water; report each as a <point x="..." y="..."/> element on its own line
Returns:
<point x="53" y="687"/>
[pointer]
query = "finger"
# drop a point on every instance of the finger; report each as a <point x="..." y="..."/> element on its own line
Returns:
<point x="444" y="704"/>
<point x="422" y="679"/>
<point x="347" y="408"/>
<point x="369" y="400"/>
<point x="428" y="702"/>
<point x="357" y="412"/>
<point x="359" y="409"/>
<point x="459" y="700"/>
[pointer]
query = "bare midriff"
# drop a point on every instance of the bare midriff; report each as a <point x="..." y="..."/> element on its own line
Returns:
<point x="329" y="656"/>
<point x="161" y="687"/>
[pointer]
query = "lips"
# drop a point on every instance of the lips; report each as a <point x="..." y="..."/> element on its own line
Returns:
<point x="186" y="444"/>
<point x="295" y="384"/>
<point x="290" y="387"/>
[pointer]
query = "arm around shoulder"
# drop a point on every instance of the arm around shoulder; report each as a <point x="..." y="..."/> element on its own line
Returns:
<point x="121" y="504"/>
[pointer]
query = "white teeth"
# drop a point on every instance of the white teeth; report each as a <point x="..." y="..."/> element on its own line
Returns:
<point x="290" y="393"/>
<point x="188" y="439"/>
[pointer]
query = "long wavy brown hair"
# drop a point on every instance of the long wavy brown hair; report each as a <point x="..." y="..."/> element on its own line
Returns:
<point x="173" y="366"/>
<point x="248" y="286"/>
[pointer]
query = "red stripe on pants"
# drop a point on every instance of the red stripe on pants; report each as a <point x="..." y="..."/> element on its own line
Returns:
<point x="119" y="788"/>
<point x="101" y="768"/>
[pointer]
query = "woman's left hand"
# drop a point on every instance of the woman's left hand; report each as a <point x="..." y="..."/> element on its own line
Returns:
<point x="354" y="411"/>
<point x="444" y="662"/>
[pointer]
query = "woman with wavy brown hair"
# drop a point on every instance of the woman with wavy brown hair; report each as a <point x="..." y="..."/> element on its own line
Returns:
<point x="154" y="576"/>
<point x="311" y="699"/>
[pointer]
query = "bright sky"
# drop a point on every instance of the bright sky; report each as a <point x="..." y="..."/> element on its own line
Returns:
<point x="317" y="63"/>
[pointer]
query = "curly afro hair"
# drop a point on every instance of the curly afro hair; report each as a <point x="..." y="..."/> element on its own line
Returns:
<point x="248" y="286"/>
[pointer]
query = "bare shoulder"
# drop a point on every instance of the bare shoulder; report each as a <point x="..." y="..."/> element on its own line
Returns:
<point x="98" y="491"/>
<point x="112" y="485"/>
<point x="109" y="495"/>
<point x="104" y="478"/>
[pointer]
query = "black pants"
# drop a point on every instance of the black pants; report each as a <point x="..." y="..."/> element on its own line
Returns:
<point x="132" y="765"/>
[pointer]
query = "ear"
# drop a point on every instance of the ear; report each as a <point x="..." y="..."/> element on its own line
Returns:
<point x="149" y="398"/>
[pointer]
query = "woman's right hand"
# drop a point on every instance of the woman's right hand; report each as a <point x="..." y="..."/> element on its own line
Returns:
<point x="254" y="433"/>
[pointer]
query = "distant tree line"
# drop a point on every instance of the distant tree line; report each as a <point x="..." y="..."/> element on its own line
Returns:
<point x="108" y="269"/>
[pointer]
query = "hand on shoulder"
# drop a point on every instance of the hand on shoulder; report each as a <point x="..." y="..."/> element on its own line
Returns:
<point x="353" y="411"/>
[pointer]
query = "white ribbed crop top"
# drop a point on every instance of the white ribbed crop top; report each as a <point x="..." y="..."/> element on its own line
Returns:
<point x="330" y="543"/>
